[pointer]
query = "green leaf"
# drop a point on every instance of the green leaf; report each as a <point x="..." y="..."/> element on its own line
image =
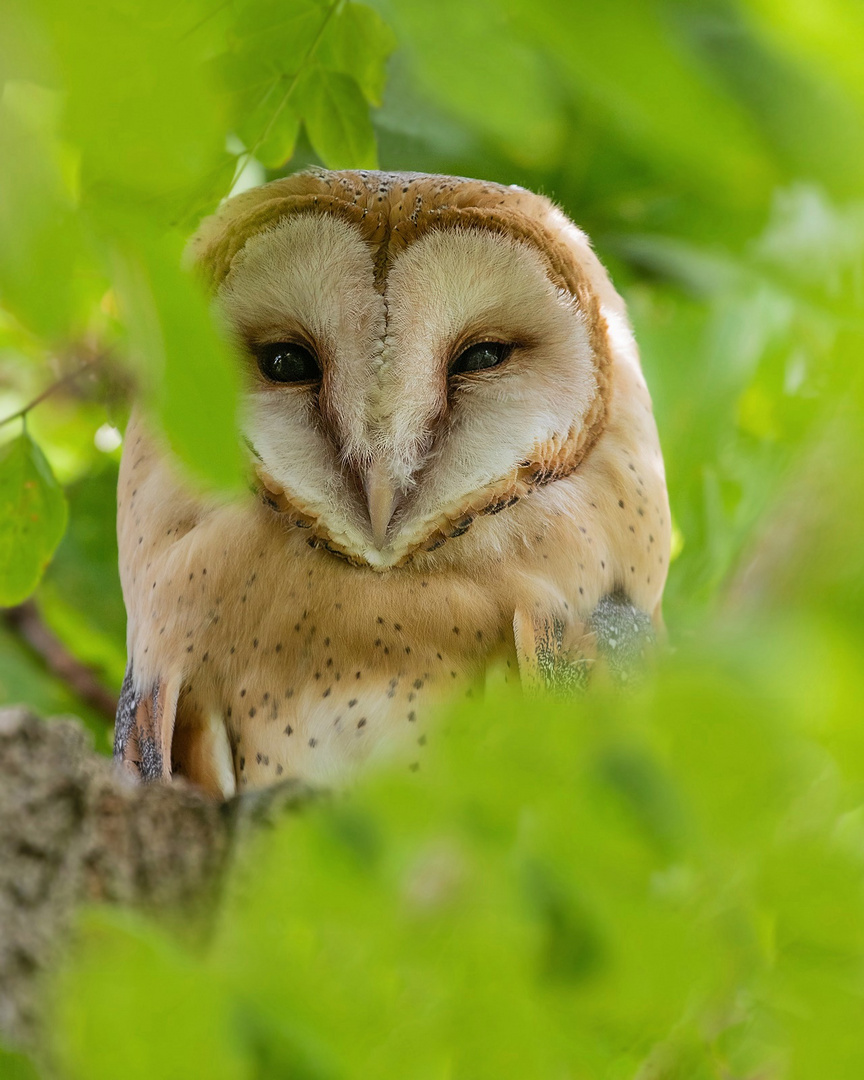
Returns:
<point x="274" y="50"/>
<point x="16" y="1066"/>
<point x="277" y="146"/>
<point x="32" y="518"/>
<point x="651" y="92"/>
<point x="358" y="44"/>
<point x="80" y="597"/>
<point x="141" y="110"/>
<point x="259" y="101"/>
<point x="187" y="364"/>
<point x="274" y="35"/>
<point x="830" y="34"/>
<point x="158" y="1016"/>
<point x="40" y="237"/>
<point x="486" y="72"/>
<point x="270" y="45"/>
<point x="337" y="120"/>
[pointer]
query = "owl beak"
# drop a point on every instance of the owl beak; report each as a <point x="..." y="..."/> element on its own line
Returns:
<point x="381" y="500"/>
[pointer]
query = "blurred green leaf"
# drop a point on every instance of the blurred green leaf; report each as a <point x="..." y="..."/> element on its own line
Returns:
<point x="32" y="518"/>
<point x="650" y="91"/>
<point x="653" y="884"/>
<point x="143" y="116"/>
<point x="16" y="1066"/>
<point x="829" y="34"/>
<point x="24" y="680"/>
<point x="40" y="236"/>
<point x="80" y="597"/>
<point x="189" y="365"/>
<point x="477" y="61"/>
<point x="168" y="1021"/>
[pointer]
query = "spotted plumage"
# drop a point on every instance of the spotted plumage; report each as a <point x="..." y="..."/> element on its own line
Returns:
<point x="455" y="464"/>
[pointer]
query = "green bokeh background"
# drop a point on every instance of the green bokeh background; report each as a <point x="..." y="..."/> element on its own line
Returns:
<point x="665" y="885"/>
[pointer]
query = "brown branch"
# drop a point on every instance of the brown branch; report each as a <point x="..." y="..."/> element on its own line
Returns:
<point x="28" y="624"/>
<point x="75" y="830"/>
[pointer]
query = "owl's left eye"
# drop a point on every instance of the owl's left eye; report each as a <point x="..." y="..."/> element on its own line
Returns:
<point x="480" y="357"/>
<point x="287" y="362"/>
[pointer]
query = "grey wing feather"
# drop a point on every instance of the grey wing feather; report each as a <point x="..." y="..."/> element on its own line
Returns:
<point x="144" y="727"/>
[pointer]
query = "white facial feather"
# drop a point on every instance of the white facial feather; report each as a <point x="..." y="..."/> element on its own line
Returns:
<point x="460" y="282"/>
<point x="314" y="273"/>
<point x="386" y="388"/>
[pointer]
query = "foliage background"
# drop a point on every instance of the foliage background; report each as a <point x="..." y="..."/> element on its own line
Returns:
<point x="666" y="885"/>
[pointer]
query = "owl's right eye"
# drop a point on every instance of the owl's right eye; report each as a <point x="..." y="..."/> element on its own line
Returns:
<point x="481" y="357"/>
<point x="287" y="362"/>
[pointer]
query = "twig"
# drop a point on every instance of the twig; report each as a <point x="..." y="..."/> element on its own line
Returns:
<point x="27" y="623"/>
<point x="47" y="392"/>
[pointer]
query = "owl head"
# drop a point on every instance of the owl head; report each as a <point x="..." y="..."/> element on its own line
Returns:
<point x="417" y="350"/>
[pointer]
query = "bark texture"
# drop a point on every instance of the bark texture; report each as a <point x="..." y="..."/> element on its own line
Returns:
<point x="75" y="829"/>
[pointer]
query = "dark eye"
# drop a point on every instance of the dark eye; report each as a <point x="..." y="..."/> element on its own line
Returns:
<point x="487" y="354"/>
<point x="287" y="362"/>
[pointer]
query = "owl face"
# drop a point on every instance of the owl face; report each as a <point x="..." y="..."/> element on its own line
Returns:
<point x="405" y="371"/>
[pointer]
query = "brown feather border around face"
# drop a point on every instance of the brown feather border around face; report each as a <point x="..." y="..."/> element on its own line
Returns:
<point x="552" y="460"/>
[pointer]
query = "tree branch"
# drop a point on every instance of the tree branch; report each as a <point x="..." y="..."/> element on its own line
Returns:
<point x="26" y="622"/>
<point x="75" y="829"/>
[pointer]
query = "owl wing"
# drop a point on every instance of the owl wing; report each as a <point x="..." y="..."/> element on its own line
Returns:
<point x="625" y="636"/>
<point x="558" y="655"/>
<point x="551" y="657"/>
<point x="144" y="727"/>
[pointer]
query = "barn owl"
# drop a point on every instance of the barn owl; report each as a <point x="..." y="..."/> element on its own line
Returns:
<point x="454" y="465"/>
